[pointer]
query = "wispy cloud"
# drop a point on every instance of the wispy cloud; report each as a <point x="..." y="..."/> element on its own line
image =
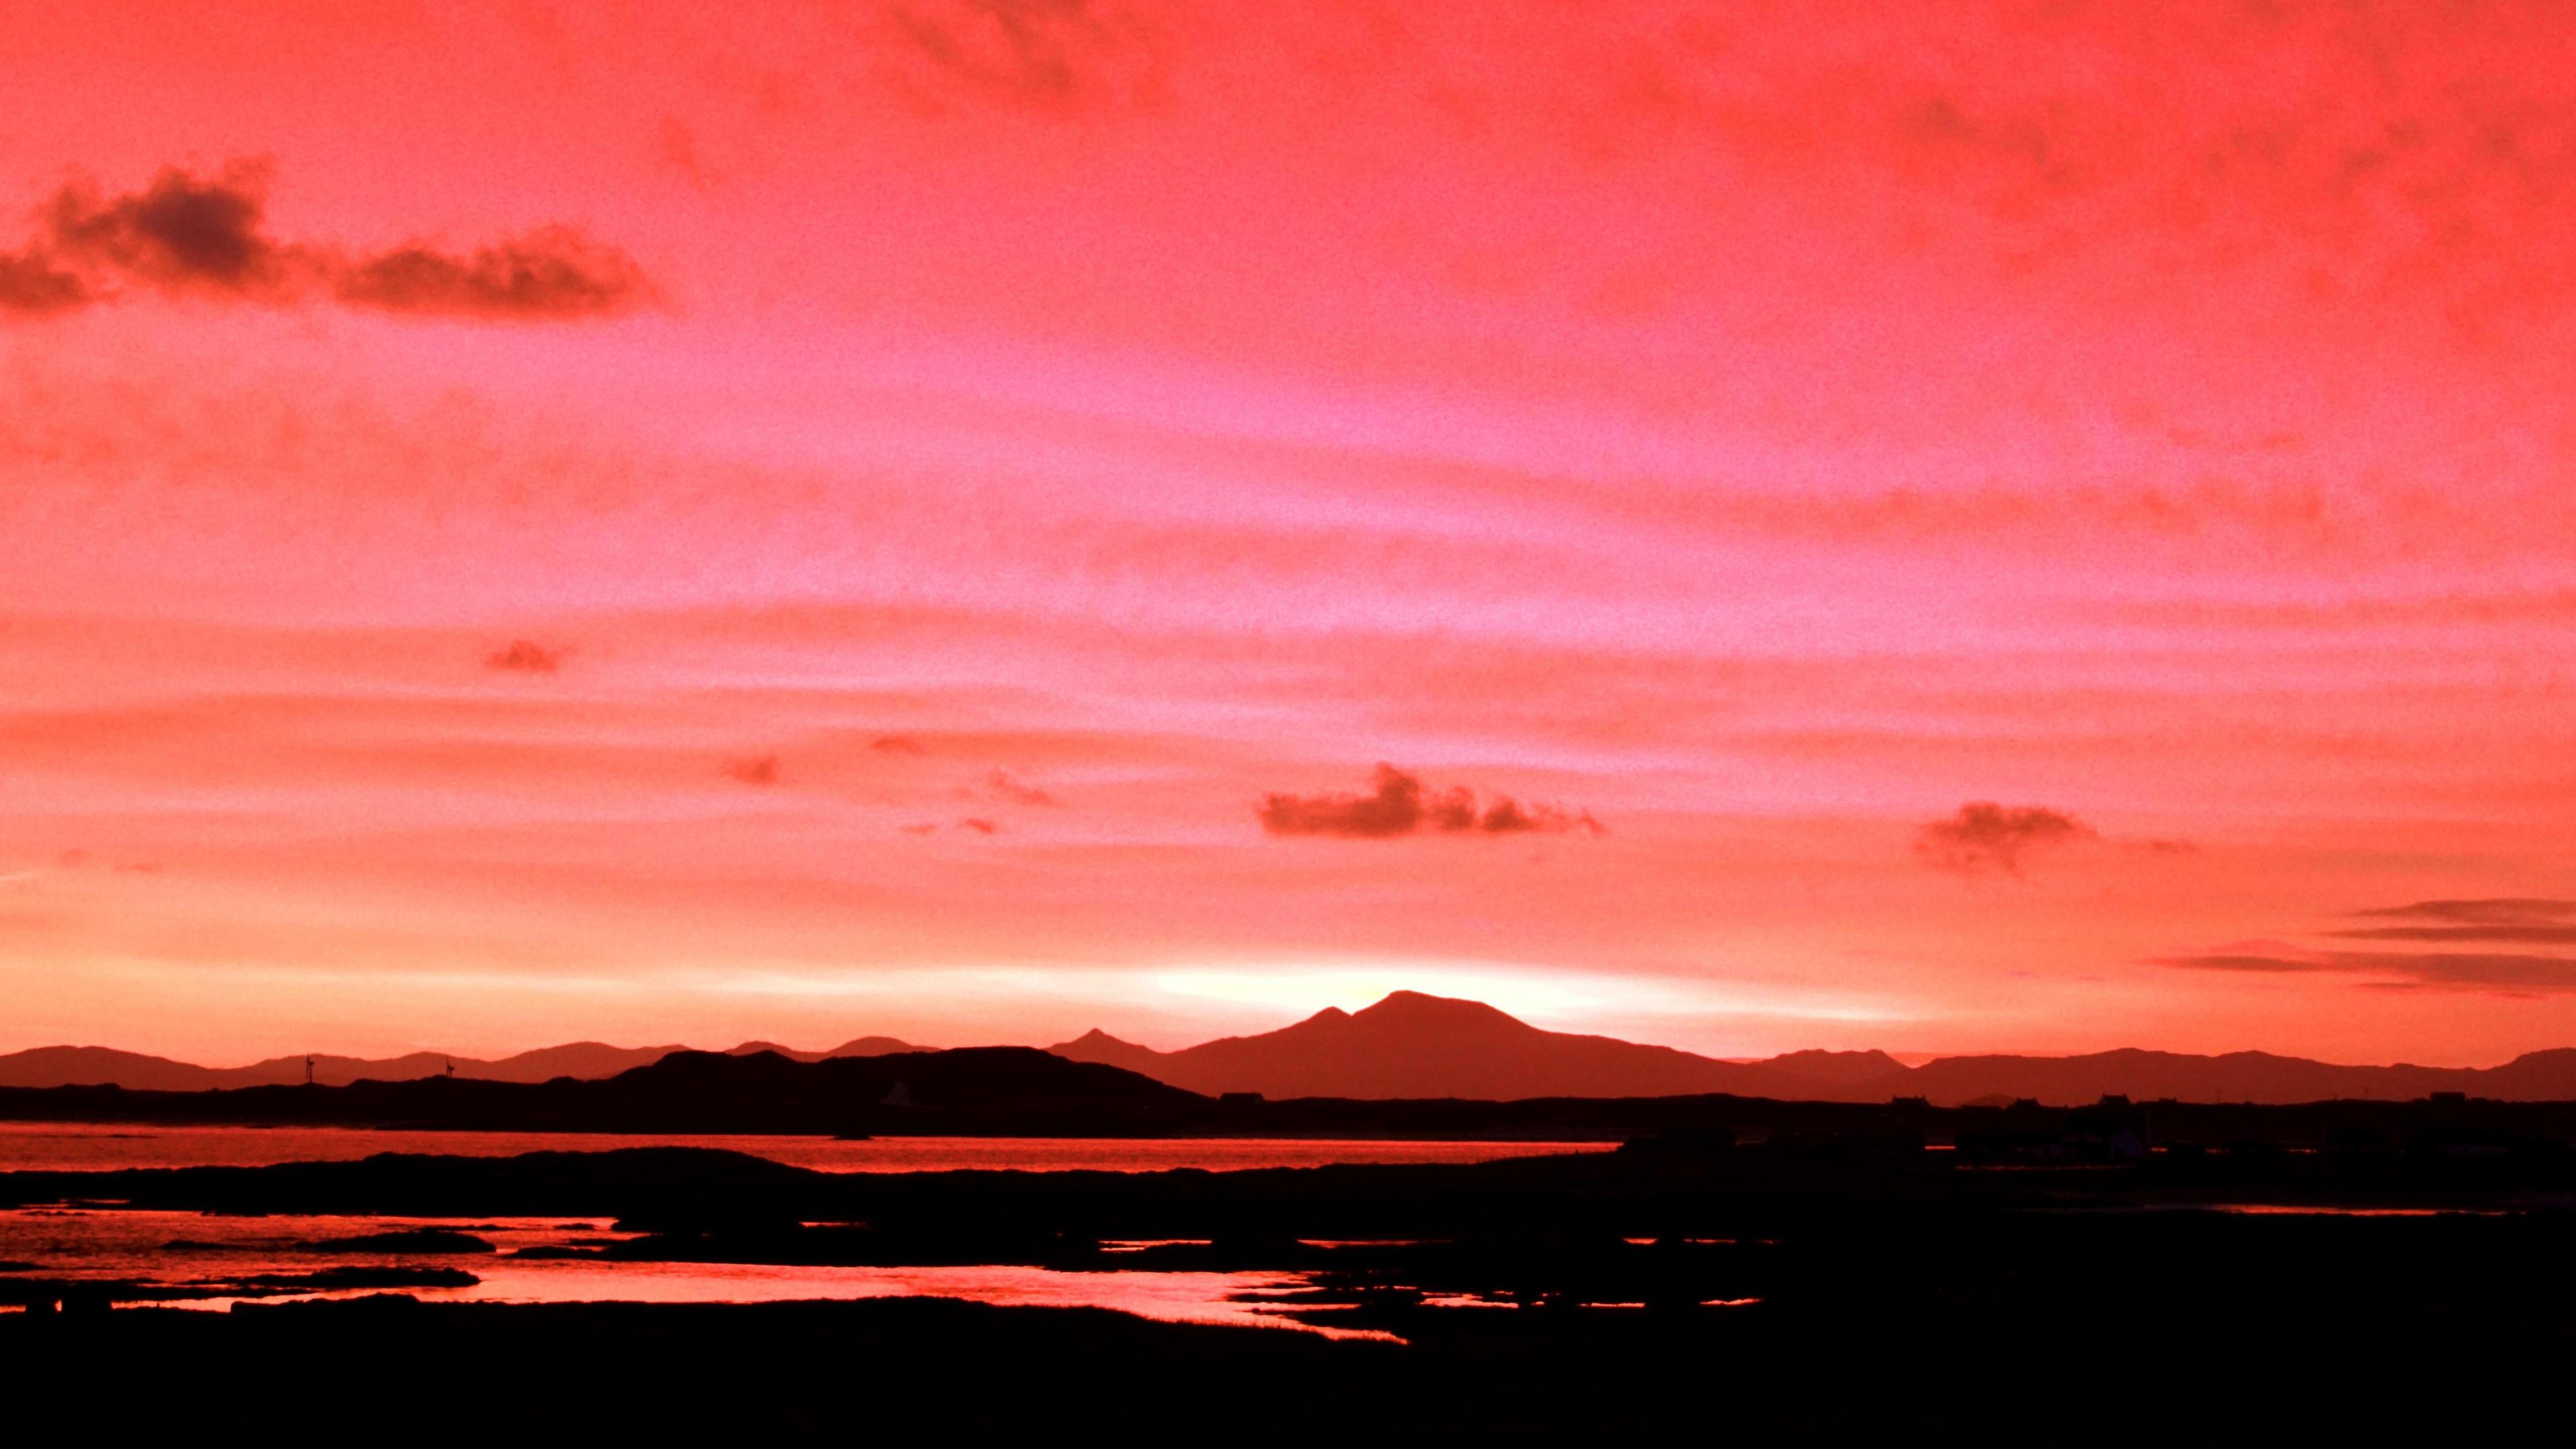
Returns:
<point x="1007" y="786"/>
<point x="2517" y="920"/>
<point x="2490" y="920"/>
<point x="1040" y="54"/>
<point x="1401" y="805"/>
<point x="2509" y="972"/>
<point x="2485" y="910"/>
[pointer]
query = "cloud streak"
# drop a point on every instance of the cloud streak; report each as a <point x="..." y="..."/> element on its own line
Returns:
<point x="1402" y="805"/>
<point x="2491" y="921"/>
<point x="206" y="236"/>
<point x="2510" y="972"/>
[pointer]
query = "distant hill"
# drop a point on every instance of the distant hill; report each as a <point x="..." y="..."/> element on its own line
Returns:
<point x="70" y="1066"/>
<point x="1014" y="1091"/>
<point x="1412" y="1045"/>
<point x="2548" y="1076"/>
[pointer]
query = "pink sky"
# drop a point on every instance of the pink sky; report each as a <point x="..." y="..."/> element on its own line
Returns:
<point x="1767" y="430"/>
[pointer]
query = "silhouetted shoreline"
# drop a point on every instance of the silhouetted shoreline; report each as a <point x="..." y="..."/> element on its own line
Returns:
<point x="1021" y="1092"/>
<point x="1844" y="1283"/>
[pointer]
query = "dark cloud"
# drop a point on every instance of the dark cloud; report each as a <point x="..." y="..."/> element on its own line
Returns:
<point x="180" y="234"/>
<point x="2511" y="973"/>
<point x="1401" y="805"/>
<point x="762" y="771"/>
<point x="2481" y="911"/>
<point x="922" y="829"/>
<point x="898" y="745"/>
<point x="553" y="273"/>
<point x="1019" y="792"/>
<point x="979" y="826"/>
<point x="525" y="656"/>
<point x="1985" y="836"/>
<point x="31" y="285"/>
<point x="189" y="235"/>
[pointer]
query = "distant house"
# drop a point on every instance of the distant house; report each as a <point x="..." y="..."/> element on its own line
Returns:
<point x="2113" y="1129"/>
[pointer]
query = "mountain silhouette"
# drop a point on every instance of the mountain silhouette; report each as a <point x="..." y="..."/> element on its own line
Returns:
<point x="974" y="1091"/>
<point x="2547" y="1076"/>
<point x="1416" y="1046"/>
<point x="89" y="1066"/>
<point x="1413" y="1045"/>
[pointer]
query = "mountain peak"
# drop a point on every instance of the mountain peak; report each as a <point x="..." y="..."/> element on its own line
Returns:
<point x="1418" y="1009"/>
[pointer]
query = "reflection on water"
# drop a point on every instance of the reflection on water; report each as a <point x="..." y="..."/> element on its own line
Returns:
<point x="80" y="1147"/>
<point x="160" y="1253"/>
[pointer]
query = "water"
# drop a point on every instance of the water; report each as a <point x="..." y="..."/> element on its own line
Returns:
<point x="136" y="1247"/>
<point x="81" y="1147"/>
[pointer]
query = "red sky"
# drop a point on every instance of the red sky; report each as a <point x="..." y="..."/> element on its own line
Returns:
<point x="521" y="523"/>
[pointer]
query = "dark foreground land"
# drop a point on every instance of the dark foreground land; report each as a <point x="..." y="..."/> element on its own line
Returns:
<point x="1898" y="1294"/>
<point x="2040" y="1364"/>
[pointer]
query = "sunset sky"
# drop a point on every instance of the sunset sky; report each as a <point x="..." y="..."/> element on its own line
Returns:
<point x="2027" y="527"/>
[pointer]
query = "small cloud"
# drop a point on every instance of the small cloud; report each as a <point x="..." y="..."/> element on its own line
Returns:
<point x="925" y="828"/>
<point x="1017" y="791"/>
<point x="1986" y="836"/>
<point x="898" y="745"/>
<point x="762" y="771"/>
<point x="553" y="273"/>
<point x="180" y="233"/>
<point x="525" y="656"/>
<point x="1401" y="805"/>
<point x="979" y="826"/>
<point x="206" y="236"/>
